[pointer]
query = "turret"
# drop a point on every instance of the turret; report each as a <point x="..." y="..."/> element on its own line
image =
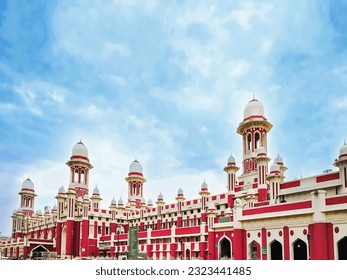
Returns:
<point x="28" y="195"/>
<point x="275" y="177"/>
<point x="254" y="129"/>
<point x="135" y="181"/>
<point x="261" y="162"/>
<point x="231" y="170"/>
<point x="95" y="198"/>
<point x="79" y="169"/>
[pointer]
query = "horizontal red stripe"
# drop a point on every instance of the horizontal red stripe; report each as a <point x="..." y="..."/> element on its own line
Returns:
<point x="328" y="177"/>
<point x="291" y="184"/>
<point x="252" y="117"/>
<point x="81" y="157"/>
<point x="336" y="200"/>
<point x="278" y="208"/>
<point x="135" y="173"/>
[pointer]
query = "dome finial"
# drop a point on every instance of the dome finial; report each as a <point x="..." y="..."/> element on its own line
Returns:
<point x="344" y="142"/>
<point x="253" y="96"/>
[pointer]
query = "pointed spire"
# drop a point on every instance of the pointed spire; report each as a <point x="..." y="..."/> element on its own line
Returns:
<point x="253" y="96"/>
<point x="344" y="142"/>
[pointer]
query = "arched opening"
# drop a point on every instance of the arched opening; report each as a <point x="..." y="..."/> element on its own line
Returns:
<point x="257" y="143"/>
<point x="134" y="189"/>
<point x="276" y="250"/>
<point x="76" y="176"/>
<point x="63" y="242"/>
<point x="225" y="249"/>
<point x="38" y="253"/>
<point x="249" y="142"/>
<point x="300" y="250"/>
<point x="82" y="177"/>
<point x="254" y="250"/>
<point x="342" y="248"/>
<point x="187" y="254"/>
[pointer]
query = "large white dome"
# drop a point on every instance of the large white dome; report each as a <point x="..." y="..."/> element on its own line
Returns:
<point x="28" y="185"/>
<point x="135" y="167"/>
<point x="253" y="108"/>
<point x="343" y="151"/>
<point x="80" y="149"/>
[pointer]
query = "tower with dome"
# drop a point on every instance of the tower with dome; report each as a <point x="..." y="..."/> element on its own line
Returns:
<point x="259" y="216"/>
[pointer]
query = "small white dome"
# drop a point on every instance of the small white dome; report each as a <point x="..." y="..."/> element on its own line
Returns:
<point x="47" y="209"/>
<point x="261" y="151"/>
<point x="343" y="151"/>
<point x="113" y="201"/>
<point x="143" y="201"/>
<point x="253" y="109"/>
<point x="180" y="192"/>
<point x="231" y="160"/>
<point x="237" y="202"/>
<point x="135" y="167"/>
<point x="54" y="208"/>
<point x="96" y="191"/>
<point x="28" y="185"/>
<point x="211" y="206"/>
<point x="204" y="186"/>
<point x="131" y="198"/>
<point x="160" y="196"/>
<point x="150" y="202"/>
<point x="80" y="149"/>
<point x="274" y="168"/>
<point x="120" y="202"/>
<point x="38" y="212"/>
<point x="61" y="190"/>
<point x="228" y="211"/>
<point x="278" y="159"/>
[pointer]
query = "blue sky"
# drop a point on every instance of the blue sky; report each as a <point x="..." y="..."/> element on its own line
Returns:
<point x="165" y="82"/>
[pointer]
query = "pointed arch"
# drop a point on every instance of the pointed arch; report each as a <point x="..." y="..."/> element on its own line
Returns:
<point x="342" y="248"/>
<point x="254" y="250"/>
<point x="276" y="250"/>
<point x="224" y="248"/>
<point x="63" y="242"/>
<point x="299" y="249"/>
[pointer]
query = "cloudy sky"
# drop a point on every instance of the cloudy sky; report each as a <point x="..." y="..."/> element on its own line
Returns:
<point x="167" y="83"/>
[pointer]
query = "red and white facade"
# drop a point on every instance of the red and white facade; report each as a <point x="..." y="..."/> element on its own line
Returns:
<point x="261" y="216"/>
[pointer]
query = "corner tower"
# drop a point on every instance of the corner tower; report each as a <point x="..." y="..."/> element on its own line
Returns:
<point x="254" y="129"/>
<point x="79" y="169"/>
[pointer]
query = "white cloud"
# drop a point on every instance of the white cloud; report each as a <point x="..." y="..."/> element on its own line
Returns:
<point x="249" y="11"/>
<point x="7" y="107"/>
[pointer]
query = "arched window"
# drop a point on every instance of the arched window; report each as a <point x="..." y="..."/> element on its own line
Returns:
<point x="257" y="140"/>
<point x="82" y="177"/>
<point x="249" y="142"/>
<point x="134" y="188"/>
<point x="76" y="175"/>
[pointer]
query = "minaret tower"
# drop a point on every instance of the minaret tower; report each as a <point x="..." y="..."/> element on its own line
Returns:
<point x="135" y="181"/>
<point x="79" y="169"/>
<point x="231" y="170"/>
<point x="27" y="194"/>
<point x="254" y="129"/>
<point x="275" y="177"/>
<point x="261" y="162"/>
